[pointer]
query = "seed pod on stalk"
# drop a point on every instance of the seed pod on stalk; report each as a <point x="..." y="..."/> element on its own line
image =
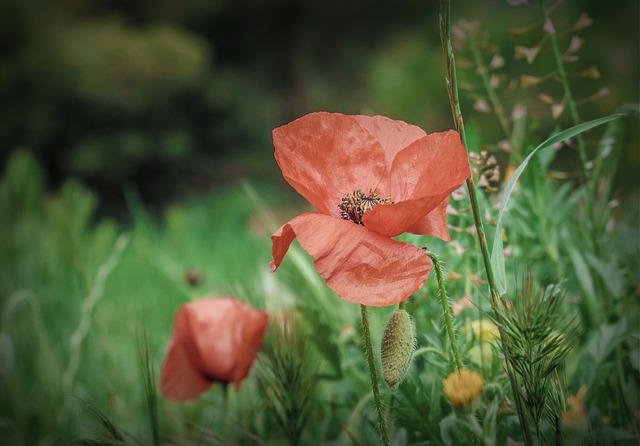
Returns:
<point x="398" y="345"/>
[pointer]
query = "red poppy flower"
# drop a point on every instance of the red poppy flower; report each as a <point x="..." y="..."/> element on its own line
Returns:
<point x="371" y="179"/>
<point x="213" y="339"/>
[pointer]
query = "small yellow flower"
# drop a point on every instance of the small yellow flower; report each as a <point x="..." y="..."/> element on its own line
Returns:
<point x="575" y="420"/>
<point x="485" y="330"/>
<point x="462" y="388"/>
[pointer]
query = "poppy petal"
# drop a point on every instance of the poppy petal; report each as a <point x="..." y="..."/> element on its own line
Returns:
<point x="360" y="265"/>
<point x="180" y="381"/>
<point x="434" y="224"/>
<point x="393" y="135"/>
<point x="325" y="156"/>
<point x="432" y="166"/>
<point x="227" y="333"/>
<point x="425" y="216"/>
<point x="423" y="175"/>
<point x="181" y="378"/>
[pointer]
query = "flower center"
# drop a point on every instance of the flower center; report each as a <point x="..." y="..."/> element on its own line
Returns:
<point x="353" y="206"/>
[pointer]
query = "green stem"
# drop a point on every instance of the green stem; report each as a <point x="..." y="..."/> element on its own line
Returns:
<point x="382" y="423"/>
<point x="568" y="95"/>
<point x="483" y="71"/>
<point x="446" y="309"/>
<point x="87" y="309"/>
<point x="478" y="431"/>
<point x="225" y="410"/>
<point x="452" y="85"/>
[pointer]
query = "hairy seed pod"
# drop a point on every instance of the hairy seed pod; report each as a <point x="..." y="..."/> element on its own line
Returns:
<point x="398" y="344"/>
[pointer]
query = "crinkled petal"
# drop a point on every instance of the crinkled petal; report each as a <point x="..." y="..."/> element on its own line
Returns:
<point x="360" y="265"/>
<point x="325" y="156"/>
<point x="423" y="175"/>
<point x="434" y="224"/>
<point x="414" y="216"/>
<point x="432" y="166"/>
<point x="393" y="135"/>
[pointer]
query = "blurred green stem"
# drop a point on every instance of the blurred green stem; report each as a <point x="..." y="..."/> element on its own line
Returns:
<point x="568" y="95"/>
<point x="452" y="86"/>
<point x="446" y="309"/>
<point x="225" y="409"/>
<point x="88" y="305"/>
<point x="483" y="71"/>
<point x="382" y="423"/>
<point x="478" y="431"/>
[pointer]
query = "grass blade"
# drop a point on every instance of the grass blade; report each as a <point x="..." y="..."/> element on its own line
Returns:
<point x="497" y="256"/>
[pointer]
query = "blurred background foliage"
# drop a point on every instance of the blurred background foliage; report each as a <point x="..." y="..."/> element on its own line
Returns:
<point x="172" y="98"/>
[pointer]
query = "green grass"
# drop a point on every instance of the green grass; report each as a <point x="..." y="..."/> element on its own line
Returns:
<point x="77" y="289"/>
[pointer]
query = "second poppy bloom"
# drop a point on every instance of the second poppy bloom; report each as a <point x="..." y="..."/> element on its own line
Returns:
<point x="213" y="340"/>
<point x="370" y="179"/>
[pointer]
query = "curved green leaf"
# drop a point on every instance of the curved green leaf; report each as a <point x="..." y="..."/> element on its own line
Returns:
<point x="497" y="256"/>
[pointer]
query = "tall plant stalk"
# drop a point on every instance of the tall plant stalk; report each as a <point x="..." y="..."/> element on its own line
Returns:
<point x="452" y="86"/>
<point x="568" y="95"/>
<point x="446" y="310"/>
<point x="373" y="375"/>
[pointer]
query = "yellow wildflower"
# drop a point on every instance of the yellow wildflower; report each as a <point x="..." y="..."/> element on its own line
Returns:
<point x="485" y="330"/>
<point x="462" y="388"/>
<point x="575" y="420"/>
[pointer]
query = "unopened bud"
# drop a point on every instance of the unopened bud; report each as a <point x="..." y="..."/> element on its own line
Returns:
<point x="398" y="344"/>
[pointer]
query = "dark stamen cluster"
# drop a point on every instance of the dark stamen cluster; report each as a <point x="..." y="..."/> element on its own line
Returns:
<point x="353" y="206"/>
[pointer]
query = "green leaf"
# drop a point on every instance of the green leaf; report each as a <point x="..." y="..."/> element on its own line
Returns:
<point x="497" y="256"/>
<point x="588" y="295"/>
<point x="599" y="346"/>
<point x="612" y="276"/>
<point x="604" y="340"/>
<point x="451" y="429"/>
<point x="634" y="356"/>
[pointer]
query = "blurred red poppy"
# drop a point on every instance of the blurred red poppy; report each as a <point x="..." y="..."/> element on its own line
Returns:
<point x="370" y="179"/>
<point x="213" y="340"/>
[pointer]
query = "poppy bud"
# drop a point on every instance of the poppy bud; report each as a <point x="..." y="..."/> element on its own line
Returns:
<point x="398" y="344"/>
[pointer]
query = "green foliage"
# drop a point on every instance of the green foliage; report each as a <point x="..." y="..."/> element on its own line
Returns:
<point x="536" y="338"/>
<point x="497" y="257"/>
<point x="118" y="66"/>
<point x="75" y="297"/>
<point x="287" y="378"/>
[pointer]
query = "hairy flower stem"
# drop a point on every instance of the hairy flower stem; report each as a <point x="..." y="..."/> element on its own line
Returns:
<point x="446" y="309"/>
<point x="452" y="86"/>
<point x="382" y="422"/>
